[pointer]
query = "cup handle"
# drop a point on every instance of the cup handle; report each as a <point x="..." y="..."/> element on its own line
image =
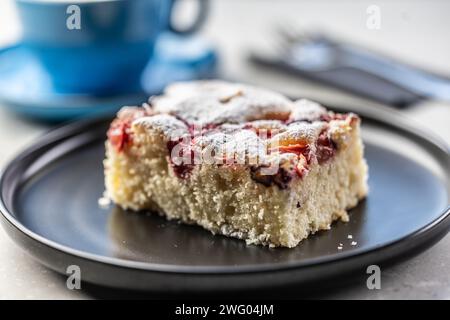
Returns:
<point x="199" y="19"/>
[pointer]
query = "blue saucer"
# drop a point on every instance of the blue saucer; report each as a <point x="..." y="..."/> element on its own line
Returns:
<point x="25" y="87"/>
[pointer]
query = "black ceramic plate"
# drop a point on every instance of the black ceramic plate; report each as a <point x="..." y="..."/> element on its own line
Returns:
<point x="49" y="203"/>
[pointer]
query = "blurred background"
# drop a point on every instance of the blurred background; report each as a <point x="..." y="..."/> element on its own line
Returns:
<point x="249" y="39"/>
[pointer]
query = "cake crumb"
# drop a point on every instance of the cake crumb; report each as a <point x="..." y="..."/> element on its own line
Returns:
<point x="349" y="236"/>
<point x="104" y="202"/>
<point x="354" y="243"/>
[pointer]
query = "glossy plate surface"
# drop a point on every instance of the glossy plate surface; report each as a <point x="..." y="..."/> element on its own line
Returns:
<point x="50" y="207"/>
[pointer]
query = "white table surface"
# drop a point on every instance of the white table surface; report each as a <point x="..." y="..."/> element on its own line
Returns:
<point x="415" y="31"/>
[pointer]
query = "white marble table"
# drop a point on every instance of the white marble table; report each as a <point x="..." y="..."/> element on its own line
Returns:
<point x="416" y="31"/>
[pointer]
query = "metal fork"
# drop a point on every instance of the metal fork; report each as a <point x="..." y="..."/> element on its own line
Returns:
<point x="315" y="52"/>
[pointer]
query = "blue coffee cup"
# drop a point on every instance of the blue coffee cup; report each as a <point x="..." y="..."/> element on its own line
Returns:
<point x="96" y="47"/>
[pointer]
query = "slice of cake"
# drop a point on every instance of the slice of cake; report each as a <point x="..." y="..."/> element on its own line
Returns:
<point x="237" y="160"/>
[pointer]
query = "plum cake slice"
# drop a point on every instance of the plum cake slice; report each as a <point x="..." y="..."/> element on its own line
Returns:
<point x="237" y="160"/>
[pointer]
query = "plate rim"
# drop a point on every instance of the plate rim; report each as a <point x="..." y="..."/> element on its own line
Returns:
<point x="383" y="115"/>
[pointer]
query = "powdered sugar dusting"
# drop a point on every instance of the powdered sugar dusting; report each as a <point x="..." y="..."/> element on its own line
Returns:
<point x="166" y="124"/>
<point x="301" y="131"/>
<point x="222" y="116"/>
<point x="306" y="110"/>
<point x="218" y="102"/>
